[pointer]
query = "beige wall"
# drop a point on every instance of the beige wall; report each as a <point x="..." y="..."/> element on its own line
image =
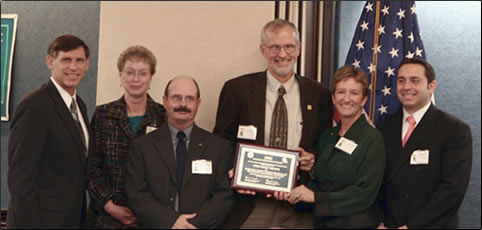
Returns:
<point x="211" y="41"/>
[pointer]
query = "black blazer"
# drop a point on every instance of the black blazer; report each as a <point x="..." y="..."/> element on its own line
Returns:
<point x="151" y="182"/>
<point x="426" y="196"/>
<point x="47" y="165"/>
<point x="242" y="102"/>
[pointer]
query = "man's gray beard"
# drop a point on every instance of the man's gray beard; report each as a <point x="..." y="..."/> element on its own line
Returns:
<point x="284" y="74"/>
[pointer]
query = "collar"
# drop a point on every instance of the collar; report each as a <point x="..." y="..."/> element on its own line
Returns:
<point x="417" y="115"/>
<point x="273" y="84"/>
<point x="63" y="93"/>
<point x="174" y="131"/>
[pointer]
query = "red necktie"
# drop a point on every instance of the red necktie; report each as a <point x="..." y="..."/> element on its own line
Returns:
<point x="411" y="127"/>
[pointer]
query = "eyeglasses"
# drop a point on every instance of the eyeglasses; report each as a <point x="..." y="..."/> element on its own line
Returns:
<point x="274" y="49"/>
<point x="131" y="74"/>
<point x="176" y="99"/>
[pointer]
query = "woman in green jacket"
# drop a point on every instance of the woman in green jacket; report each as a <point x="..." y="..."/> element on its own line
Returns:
<point x="349" y="169"/>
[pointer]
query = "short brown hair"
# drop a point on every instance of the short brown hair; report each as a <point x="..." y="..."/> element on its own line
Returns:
<point x="346" y="72"/>
<point x="66" y="43"/>
<point x="137" y="52"/>
<point x="429" y="72"/>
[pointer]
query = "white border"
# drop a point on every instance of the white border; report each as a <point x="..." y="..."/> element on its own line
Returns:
<point x="245" y="148"/>
<point x="14" y="17"/>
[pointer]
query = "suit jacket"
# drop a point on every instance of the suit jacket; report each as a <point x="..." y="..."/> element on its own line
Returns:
<point x="111" y="138"/>
<point x="47" y="165"/>
<point x="426" y="196"/>
<point x="151" y="182"/>
<point x="242" y="102"/>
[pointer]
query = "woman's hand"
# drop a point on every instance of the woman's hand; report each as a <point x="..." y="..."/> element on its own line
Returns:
<point x="301" y="193"/>
<point x="120" y="213"/>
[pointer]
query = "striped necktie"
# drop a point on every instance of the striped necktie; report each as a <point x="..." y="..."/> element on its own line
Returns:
<point x="75" y="115"/>
<point x="279" y="122"/>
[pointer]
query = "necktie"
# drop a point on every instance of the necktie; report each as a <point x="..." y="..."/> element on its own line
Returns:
<point x="411" y="127"/>
<point x="75" y="115"/>
<point x="279" y="122"/>
<point x="181" y="156"/>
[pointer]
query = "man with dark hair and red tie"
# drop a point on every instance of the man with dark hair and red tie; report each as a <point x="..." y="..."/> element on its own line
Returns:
<point x="429" y="156"/>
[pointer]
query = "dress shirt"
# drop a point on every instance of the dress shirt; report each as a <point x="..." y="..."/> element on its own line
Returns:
<point x="293" y="106"/>
<point x="174" y="132"/>
<point x="68" y="100"/>
<point x="417" y="115"/>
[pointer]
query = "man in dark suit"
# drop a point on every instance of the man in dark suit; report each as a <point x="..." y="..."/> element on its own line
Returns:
<point x="429" y="155"/>
<point x="48" y="145"/>
<point x="177" y="176"/>
<point x="249" y="102"/>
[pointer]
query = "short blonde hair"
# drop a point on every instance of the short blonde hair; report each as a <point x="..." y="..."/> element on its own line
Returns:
<point x="137" y="52"/>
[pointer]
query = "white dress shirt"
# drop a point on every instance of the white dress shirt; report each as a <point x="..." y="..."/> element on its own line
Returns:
<point x="417" y="115"/>
<point x="68" y="100"/>
<point x="293" y="106"/>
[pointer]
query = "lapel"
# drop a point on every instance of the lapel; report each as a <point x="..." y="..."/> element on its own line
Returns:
<point x="330" y="145"/>
<point x="164" y="147"/>
<point x="257" y="105"/>
<point x="351" y="134"/>
<point x="197" y="145"/>
<point x="305" y="99"/>
<point x="423" y="130"/>
<point x="83" y="110"/>
<point x="119" y="112"/>
<point x="150" y="118"/>
<point x="67" y="120"/>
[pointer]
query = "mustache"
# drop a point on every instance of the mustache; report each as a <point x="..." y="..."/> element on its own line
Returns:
<point x="182" y="109"/>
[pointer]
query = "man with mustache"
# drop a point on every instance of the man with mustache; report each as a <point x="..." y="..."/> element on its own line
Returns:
<point x="250" y="102"/>
<point x="177" y="176"/>
<point x="48" y="145"/>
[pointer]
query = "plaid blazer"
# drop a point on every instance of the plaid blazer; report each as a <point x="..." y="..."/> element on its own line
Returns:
<point x="111" y="136"/>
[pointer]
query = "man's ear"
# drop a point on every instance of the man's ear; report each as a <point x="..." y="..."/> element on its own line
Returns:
<point x="49" y="60"/>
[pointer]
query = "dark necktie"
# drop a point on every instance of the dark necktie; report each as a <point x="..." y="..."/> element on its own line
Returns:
<point x="279" y="122"/>
<point x="75" y="115"/>
<point x="181" y="156"/>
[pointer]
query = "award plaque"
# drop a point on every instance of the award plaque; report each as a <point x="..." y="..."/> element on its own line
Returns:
<point x="265" y="169"/>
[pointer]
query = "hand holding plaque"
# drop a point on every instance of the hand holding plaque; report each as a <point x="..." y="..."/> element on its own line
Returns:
<point x="265" y="169"/>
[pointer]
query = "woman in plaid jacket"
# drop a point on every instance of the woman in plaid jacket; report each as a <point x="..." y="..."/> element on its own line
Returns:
<point x="113" y="127"/>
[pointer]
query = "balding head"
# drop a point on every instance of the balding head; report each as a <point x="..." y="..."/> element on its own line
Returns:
<point x="181" y="100"/>
<point x="185" y="77"/>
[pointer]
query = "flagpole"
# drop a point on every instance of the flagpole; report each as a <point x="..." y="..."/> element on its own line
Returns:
<point x="373" y="91"/>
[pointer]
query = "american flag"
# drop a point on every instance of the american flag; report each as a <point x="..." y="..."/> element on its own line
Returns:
<point x="396" y="35"/>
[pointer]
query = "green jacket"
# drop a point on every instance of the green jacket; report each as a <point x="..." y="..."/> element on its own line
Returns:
<point x="358" y="176"/>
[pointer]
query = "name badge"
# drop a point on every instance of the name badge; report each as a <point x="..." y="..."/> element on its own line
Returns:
<point x="247" y="132"/>
<point x="419" y="157"/>
<point x="150" y="129"/>
<point x="346" y="145"/>
<point x="202" y="167"/>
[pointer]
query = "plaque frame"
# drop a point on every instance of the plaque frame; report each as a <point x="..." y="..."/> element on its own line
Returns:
<point x="245" y="150"/>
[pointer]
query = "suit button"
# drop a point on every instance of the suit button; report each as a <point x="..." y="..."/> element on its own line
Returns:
<point x="407" y="196"/>
<point x="418" y="169"/>
<point x="171" y="199"/>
